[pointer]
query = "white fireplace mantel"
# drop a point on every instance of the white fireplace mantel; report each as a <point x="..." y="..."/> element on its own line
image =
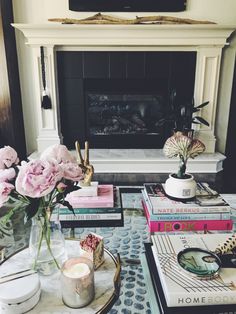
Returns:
<point x="207" y="40"/>
<point x="164" y="36"/>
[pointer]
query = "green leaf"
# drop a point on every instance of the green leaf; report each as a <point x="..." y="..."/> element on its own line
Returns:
<point x="5" y="228"/>
<point x="32" y="208"/>
<point x="72" y="188"/>
<point x="68" y="205"/>
<point x="202" y="105"/>
<point x="203" y="121"/>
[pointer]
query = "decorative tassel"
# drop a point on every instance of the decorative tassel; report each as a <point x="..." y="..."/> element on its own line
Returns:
<point x="46" y="101"/>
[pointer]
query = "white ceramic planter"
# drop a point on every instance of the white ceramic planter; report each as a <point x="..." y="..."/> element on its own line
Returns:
<point x="182" y="189"/>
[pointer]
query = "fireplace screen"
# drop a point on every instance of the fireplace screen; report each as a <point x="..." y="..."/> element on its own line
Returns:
<point x="121" y="114"/>
<point x="116" y="99"/>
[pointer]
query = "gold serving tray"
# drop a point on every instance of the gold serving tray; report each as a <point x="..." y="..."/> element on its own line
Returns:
<point x="107" y="282"/>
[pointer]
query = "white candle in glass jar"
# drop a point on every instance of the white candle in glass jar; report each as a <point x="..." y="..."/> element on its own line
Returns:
<point x="77" y="282"/>
<point x="77" y="271"/>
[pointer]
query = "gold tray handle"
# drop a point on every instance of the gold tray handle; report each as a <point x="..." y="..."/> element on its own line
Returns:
<point x="116" y="292"/>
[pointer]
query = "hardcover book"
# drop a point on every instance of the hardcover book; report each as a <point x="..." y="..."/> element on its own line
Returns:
<point x="165" y="216"/>
<point x="186" y="225"/>
<point x="160" y="203"/>
<point x="94" y="217"/>
<point x="157" y="297"/>
<point x="180" y="288"/>
<point x="105" y="198"/>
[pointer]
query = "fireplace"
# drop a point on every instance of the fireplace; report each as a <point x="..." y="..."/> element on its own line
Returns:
<point x="204" y="41"/>
<point x="119" y="99"/>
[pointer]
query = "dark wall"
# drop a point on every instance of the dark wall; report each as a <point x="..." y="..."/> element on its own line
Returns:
<point x="11" y="118"/>
<point x="229" y="176"/>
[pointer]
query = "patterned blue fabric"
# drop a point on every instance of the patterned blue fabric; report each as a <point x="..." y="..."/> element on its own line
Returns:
<point x="128" y="241"/>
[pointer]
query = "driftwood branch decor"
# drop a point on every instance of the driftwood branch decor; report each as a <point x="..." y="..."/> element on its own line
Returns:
<point x="100" y="18"/>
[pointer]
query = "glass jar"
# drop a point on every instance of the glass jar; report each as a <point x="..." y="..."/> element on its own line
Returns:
<point x="47" y="244"/>
<point x="77" y="282"/>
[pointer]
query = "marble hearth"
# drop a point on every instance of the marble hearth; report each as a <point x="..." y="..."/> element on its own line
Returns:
<point x="206" y="40"/>
<point x="135" y="166"/>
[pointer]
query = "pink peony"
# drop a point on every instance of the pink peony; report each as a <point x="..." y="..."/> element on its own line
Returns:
<point x="5" y="190"/>
<point x="8" y="157"/>
<point x="72" y="171"/>
<point x="7" y="174"/>
<point x="38" y="178"/>
<point x="58" y="152"/>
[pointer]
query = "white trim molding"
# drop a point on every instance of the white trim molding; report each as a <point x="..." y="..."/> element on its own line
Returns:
<point x="126" y="35"/>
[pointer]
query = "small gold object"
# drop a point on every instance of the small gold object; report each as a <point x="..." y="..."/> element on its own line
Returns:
<point x="88" y="169"/>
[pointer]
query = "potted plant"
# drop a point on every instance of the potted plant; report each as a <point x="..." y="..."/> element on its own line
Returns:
<point x="181" y="185"/>
<point x="182" y="115"/>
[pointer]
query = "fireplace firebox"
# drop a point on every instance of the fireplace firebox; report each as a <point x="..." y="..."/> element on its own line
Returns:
<point x="116" y="99"/>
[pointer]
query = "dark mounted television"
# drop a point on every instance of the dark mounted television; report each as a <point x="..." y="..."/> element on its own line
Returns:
<point x="127" y="5"/>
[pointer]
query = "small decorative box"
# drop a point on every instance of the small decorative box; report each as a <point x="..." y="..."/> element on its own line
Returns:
<point x="93" y="248"/>
<point x="19" y="295"/>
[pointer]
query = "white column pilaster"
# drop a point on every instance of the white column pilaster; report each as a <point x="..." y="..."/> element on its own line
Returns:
<point x="206" y="89"/>
<point x="48" y="125"/>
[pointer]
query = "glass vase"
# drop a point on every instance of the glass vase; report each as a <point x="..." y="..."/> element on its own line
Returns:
<point x="46" y="243"/>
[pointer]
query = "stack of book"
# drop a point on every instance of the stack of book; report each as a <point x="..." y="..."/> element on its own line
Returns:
<point x="208" y="211"/>
<point x="103" y="210"/>
<point x="178" y="292"/>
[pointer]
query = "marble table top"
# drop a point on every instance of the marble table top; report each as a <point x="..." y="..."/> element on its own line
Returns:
<point x="51" y="299"/>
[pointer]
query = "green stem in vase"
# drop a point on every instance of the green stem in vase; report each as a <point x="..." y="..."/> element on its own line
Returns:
<point x="40" y="243"/>
<point x="47" y="238"/>
<point x="45" y="233"/>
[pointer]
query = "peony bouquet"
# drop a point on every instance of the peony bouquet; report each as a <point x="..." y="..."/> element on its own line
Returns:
<point x="37" y="185"/>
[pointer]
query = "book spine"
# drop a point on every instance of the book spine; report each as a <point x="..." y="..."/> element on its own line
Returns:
<point x="105" y="198"/>
<point x="93" y="204"/>
<point x="191" y="216"/>
<point x="163" y="205"/>
<point x="99" y="210"/>
<point x="190" y="225"/>
<point x="71" y="217"/>
<point x="92" y="223"/>
<point x="191" y="210"/>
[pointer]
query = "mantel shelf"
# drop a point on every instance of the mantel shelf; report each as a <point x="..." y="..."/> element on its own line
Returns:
<point x="130" y="35"/>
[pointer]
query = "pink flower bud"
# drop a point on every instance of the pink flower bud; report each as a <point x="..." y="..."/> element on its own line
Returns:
<point x="61" y="187"/>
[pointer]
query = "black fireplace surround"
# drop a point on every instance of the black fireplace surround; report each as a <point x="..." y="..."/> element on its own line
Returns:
<point x="116" y="99"/>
